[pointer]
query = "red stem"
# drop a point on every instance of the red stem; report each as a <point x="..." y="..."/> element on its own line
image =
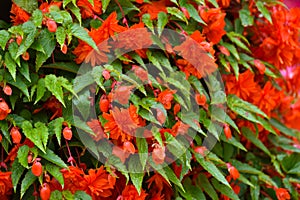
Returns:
<point x="70" y="155"/>
<point x="122" y="11"/>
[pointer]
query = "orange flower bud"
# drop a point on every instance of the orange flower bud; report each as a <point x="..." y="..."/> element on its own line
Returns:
<point x="16" y="135"/>
<point x="201" y="150"/>
<point x="37" y="168"/>
<point x="19" y="40"/>
<point x="185" y="12"/>
<point x="282" y="194"/>
<point x="176" y="108"/>
<point x="7" y="90"/>
<point x="158" y="154"/>
<point x="64" y="48"/>
<point x="200" y="99"/>
<point x="45" y="192"/>
<point x="161" y="117"/>
<point x="52" y="26"/>
<point x="67" y="133"/>
<point x="4" y="109"/>
<point x="129" y="147"/>
<point x="224" y="50"/>
<point x="26" y="56"/>
<point x="260" y="66"/>
<point x="234" y="173"/>
<point x="104" y="104"/>
<point x="227" y="131"/>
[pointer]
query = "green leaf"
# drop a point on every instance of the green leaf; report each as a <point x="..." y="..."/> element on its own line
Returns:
<point x="220" y="115"/>
<point x="237" y="41"/>
<point x="47" y="41"/>
<point x="235" y="102"/>
<point x="243" y="179"/>
<point x="148" y="116"/>
<point x="27" y="181"/>
<point x="55" y="195"/>
<point x="52" y="84"/>
<point x="65" y="66"/>
<point x="41" y="89"/>
<point x="104" y="147"/>
<point x="42" y="130"/>
<point x="203" y="182"/>
<point x="55" y="172"/>
<point x="177" y="13"/>
<point x="4" y="130"/>
<point x="52" y="157"/>
<point x="191" y="118"/>
<point x="157" y="136"/>
<point x="173" y="145"/>
<point x="154" y="61"/>
<point x="261" y="7"/>
<point x="175" y="2"/>
<point x="282" y="128"/>
<point x="266" y="125"/>
<point x="26" y="43"/>
<point x="192" y="192"/>
<point x="11" y="65"/>
<point x="18" y="83"/>
<point x="212" y="169"/>
<point x="16" y="173"/>
<point x="24" y="70"/>
<point x="82" y="125"/>
<point x="246" y="18"/>
<point x="38" y="135"/>
<point x="56" y="16"/>
<point x="55" y="127"/>
<point x="4" y="35"/>
<point x="116" y="162"/>
<point x="60" y="35"/>
<point x="82" y="103"/>
<point x="148" y="22"/>
<point x="162" y="20"/>
<point x="76" y="11"/>
<point x="214" y="3"/>
<point x="245" y="168"/>
<point x="142" y="146"/>
<point x="172" y="177"/>
<point x="194" y="13"/>
<point x="283" y="142"/>
<point x="16" y="119"/>
<point x="67" y="195"/>
<point x="234" y="64"/>
<point x="28" y="5"/>
<point x="105" y="3"/>
<point x="233" y="141"/>
<point x="224" y="190"/>
<point x="164" y="61"/>
<point x="37" y="17"/>
<point x="22" y="155"/>
<point x="13" y="50"/>
<point x="81" y="195"/>
<point x="67" y="20"/>
<point x="79" y="32"/>
<point x="291" y="163"/>
<point x="136" y="176"/>
<point x="231" y="48"/>
<point x="127" y="6"/>
<point x="255" y="140"/>
<point x="66" y="2"/>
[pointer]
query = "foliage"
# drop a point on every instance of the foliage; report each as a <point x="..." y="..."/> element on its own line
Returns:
<point x="168" y="99"/>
